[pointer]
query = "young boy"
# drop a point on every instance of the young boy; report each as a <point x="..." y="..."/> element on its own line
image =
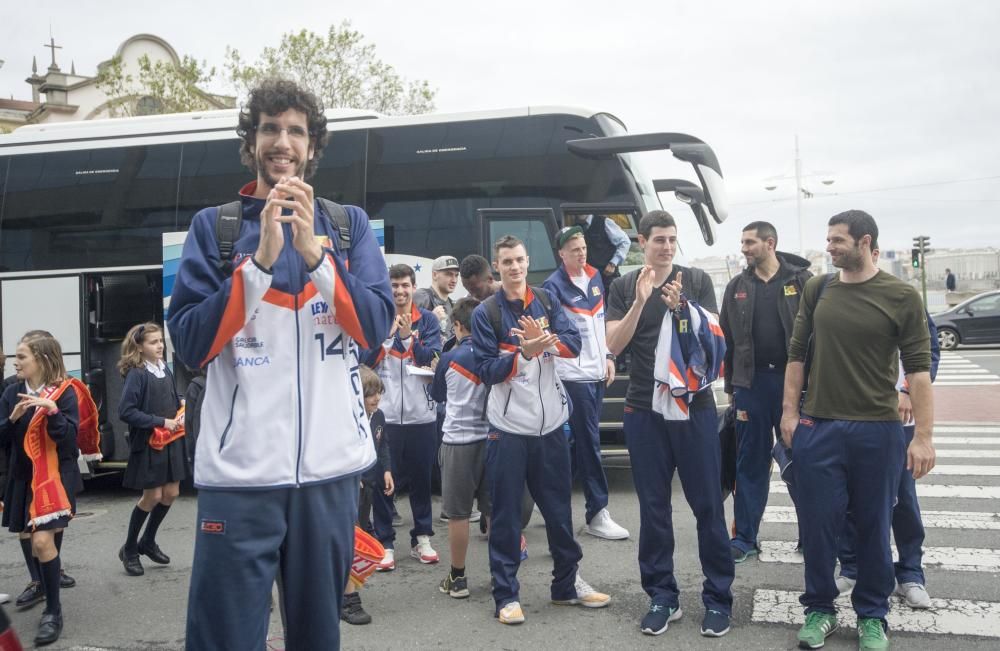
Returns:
<point x="377" y="488"/>
<point x="463" y="448"/>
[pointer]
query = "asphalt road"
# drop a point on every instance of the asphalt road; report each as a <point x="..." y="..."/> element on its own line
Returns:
<point x="109" y="610"/>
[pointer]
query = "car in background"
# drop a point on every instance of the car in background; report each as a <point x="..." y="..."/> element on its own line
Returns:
<point x="975" y="321"/>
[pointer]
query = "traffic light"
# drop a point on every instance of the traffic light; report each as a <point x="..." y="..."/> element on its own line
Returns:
<point x="916" y="258"/>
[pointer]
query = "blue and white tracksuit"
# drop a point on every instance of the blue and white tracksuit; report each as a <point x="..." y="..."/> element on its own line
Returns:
<point x="458" y="387"/>
<point x="526" y="409"/>
<point x="907" y="525"/>
<point x="584" y="378"/>
<point x="410" y="412"/>
<point x="284" y="433"/>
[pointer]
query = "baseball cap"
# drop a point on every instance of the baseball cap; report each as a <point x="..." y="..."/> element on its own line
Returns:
<point x="445" y="262"/>
<point x="566" y="233"/>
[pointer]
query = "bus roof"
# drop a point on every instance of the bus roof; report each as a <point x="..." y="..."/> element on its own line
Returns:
<point x="222" y="124"/>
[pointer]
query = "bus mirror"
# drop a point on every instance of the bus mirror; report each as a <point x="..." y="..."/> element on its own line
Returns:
<point x="706" y="166"/>
<point x="689" y="193"/>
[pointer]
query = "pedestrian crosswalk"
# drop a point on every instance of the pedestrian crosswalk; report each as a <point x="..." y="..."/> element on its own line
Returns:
<point x="958" y="371"/>
<point x="960" y="507"/>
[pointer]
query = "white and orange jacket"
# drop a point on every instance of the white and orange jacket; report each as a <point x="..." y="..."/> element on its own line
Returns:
<point x="586" y="311"/>
<point x="283" y="403"/>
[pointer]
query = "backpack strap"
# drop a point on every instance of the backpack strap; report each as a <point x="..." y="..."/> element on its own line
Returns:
<point x="227" y="229"/>
<point x="341" y="223"/>
<point x="492" y="308"/>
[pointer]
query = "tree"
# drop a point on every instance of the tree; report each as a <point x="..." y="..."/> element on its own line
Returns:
<point x="157" y="87"/>
<point x="340" y="69"/>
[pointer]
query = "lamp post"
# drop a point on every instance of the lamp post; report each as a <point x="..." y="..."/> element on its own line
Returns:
<point x="800" y="191"/>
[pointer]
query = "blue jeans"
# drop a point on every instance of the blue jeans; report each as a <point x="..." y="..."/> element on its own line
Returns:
<point x="907" y="530"/>
<point x="758" y="416"/>
<point x="843" y="465"/>
<point x="585" y="423"/>
<point x="656" y="448"/>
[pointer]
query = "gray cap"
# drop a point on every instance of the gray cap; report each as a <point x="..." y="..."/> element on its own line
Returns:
<point x="445" y="262"/>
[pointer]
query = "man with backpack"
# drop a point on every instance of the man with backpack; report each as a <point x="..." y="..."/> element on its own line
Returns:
<point x="758" y="311"/>
<point x="276" y="298"/>
<point x="516" y="335"/>
<point x="640" y="304"/>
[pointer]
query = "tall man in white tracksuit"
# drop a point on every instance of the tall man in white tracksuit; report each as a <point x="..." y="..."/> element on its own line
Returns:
<point x="516" y="335"/>
<point x="284" y="436"/>
<point x="577" y="286"/>
<point x="410" y="412"/>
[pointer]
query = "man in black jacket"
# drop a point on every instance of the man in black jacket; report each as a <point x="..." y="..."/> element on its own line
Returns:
<point x="758" y="310"/>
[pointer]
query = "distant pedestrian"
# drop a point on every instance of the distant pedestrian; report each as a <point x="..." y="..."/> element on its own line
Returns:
<point x="158" y="454"/>
<point x="607" y="246"/>
<point x="848" y="442"/>
<point x="437" y="297"/>
<point x="949" y="280"/>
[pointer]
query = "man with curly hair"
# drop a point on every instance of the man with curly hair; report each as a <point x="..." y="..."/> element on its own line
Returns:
<point x="284" y="436"/>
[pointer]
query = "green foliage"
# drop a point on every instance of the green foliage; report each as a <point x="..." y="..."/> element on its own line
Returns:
<point x="339" y="68"/>
<point x="155" y="87"/>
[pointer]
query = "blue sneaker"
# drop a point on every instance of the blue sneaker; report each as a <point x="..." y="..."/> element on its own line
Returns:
<point x="714" y="624"/>
<point x="658" y="619"/>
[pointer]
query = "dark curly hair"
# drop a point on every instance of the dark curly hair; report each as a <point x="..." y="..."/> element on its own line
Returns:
<point x="273" y="97"/>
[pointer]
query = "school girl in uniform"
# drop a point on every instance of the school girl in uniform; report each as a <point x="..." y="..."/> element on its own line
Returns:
<point x="39" y="418"/>
<point x="149" y="402"/>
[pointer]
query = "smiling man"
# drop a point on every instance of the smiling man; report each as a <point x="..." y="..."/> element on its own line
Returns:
<point x="284" y="435"/>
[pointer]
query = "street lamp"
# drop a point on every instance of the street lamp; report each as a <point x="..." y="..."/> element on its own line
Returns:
<point x="800" y="191"/>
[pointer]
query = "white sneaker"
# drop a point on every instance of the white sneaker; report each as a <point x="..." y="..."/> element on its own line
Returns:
<point x="602" y="526"/>
<point x="423" y="551"/>
<point x="586" y="596"/>
<point x="511" y="614"/>
<point x="388" y="563"/>
<point x="4" y="597"/>
<point x="845" y="585"/>
<point x="476" y="516"/>
<point x="914" y="594"/>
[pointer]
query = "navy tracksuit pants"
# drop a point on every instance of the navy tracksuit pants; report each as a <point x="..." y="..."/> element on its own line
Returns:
<point x="413" y="449"/>
<point x="543" y="461"/>
<point x="380" y="504"/>
<point x="656" y="448"/>
<point x="585" y="424"/>
<point x="907" y="531"/>
<point x="843" y="465"/>
<point x="245" y="538"/>
<point x="758" y="418"/>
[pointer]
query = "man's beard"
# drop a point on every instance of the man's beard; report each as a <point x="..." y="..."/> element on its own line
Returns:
<point x="272" y="181"/>
<point x="851" y="261"/>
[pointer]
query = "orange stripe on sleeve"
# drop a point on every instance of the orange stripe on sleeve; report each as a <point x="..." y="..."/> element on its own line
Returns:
<point x="234" y="315"/>
<point x="472" y="377"/>
<point x="343" y="303"/>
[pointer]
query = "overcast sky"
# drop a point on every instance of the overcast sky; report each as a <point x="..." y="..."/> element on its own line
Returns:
<point x="881" y="94"/>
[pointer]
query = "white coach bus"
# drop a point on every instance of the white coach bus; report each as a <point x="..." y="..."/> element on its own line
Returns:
<point x="84" y="206"/>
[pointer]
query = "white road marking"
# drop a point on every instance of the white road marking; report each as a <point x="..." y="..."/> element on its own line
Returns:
<point x="932" y="519"/>
<point x="956" y="559"/>
<point x="970" y="470"/>
<point x="968" y="454"/>
<point x="944" y="617"/>
<point x="965" y="440"/>
<point x="967" y="429"/>
<point x="931" y="490"/>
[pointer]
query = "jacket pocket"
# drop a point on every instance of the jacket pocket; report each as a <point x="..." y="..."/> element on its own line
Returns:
<point x="229" y="423"/>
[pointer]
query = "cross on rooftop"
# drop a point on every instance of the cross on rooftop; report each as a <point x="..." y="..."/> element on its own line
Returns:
<point x="52" y="46"/>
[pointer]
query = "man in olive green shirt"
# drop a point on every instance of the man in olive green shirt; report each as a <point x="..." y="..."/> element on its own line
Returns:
<point x="847" y="441"/>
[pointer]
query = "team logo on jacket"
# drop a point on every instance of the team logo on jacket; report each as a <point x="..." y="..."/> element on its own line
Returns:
<point x="216" y="527"/>
<point x="742" y="416"/>
<point x="543" y="322"/>
<point x="323" y="241"/>
<point x="740" y="296"/>
<point x="596" y="291"/>
<point x="682" y="326"/>
<point x="790" y="290"/>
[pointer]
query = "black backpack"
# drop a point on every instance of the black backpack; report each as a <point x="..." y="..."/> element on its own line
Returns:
<point x="192" y="411"/>
<point x="230" y="219"/>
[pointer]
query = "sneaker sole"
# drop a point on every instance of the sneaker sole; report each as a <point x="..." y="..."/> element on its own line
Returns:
<point x="461" y="594"/>
<point x="746" y="557"/>
<point x="511" y="622"/>
<point x="388" y="568"/>
<point x="422" y="560"/>
<point x="605" y="536"/>
<point x="805" y="645"/>
<point x="673" y="618"/>
<point x="707" y="633"/>
<point x="578" y="602"/>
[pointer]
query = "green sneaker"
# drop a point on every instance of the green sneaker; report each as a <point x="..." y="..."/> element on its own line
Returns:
<point x="871" y="634"/>
<point x="817" y="628"/>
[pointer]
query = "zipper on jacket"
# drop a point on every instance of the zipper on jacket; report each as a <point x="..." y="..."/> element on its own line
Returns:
<point x="298" y="388"/>
<point x="541" y="401"/>
<point x="229" y="424"/>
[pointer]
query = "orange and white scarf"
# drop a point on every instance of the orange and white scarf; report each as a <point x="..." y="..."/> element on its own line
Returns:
<point x="162" y="437"/>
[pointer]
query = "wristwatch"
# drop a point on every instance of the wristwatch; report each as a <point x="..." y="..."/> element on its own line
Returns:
<point x="611" y="356"/>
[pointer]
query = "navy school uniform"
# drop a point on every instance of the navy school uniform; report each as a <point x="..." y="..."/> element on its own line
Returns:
<point x="146" y="402"/>
<point x="527" y="407"/>
<point x="374" y="486"/>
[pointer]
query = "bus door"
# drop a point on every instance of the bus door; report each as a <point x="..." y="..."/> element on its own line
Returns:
<point x="536" y="227"/>
<point x="626" y="215"/>
<point x="113" y="302"/>
<point x="47" y="303"/>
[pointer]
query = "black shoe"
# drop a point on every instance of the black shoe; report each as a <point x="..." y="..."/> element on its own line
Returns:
<point x="65" y="580"/>
<point x="131" y="562"/>
<point x="32" y="595"/>
<point x="49" y="628"/>
<point x="352" y="612"/>
<point x="152" y="550"/>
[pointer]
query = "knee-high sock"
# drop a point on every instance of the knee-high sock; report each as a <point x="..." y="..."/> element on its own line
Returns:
<point x="30" y="560"/>
<point x="134" y="525"/>
<point x="50" y="580"/>
<point x="58" y="537"/>
<point x="155" y="518"/>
